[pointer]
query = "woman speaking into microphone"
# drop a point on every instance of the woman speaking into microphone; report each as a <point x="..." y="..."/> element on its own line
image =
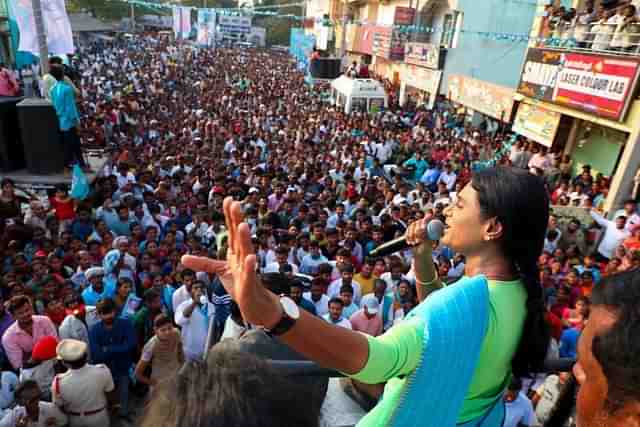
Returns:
<point x="450" y="361"/>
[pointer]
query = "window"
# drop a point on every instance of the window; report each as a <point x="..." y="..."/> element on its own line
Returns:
<point x="450" y="29"/>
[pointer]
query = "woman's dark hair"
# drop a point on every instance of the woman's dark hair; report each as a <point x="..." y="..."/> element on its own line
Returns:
<point x="233" y="388"/>
<point x="520" y="202"/>
<point x="617" y="349"/>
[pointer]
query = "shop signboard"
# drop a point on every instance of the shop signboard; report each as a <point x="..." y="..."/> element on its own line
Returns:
<point x="389" y="44"/>
<point x="537" y="123"/>
<point x="363" y="42"/>
<point x="234" y="24"/>
<point x="487" y="98"/>
<point x="403" y="15"/>
<point x="423" y="79"/>
<point x="423" y="55"/>
<point x="599" y="84"/>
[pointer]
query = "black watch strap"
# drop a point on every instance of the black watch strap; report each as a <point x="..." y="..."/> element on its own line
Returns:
<point x="285" y="323"/>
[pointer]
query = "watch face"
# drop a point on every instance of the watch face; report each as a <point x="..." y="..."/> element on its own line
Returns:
<point x="290" y="307"/>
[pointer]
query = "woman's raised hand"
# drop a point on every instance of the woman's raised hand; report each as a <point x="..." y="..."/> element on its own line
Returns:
<point x="238" y="273"/>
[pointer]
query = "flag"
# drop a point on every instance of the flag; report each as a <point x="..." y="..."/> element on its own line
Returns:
<point x="56" y="24"/>
<point x="79" y="184"/>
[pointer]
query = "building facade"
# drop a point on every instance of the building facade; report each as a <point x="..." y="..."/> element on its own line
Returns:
<point x="512" y="62"/>
<point x="580" y="97"/>
<point x="455" y="48"/>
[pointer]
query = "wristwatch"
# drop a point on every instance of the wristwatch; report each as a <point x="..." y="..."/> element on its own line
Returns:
<point x="290" y="314"/>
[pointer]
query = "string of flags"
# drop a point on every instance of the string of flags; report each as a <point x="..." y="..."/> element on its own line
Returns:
<point x="402" y="29"/>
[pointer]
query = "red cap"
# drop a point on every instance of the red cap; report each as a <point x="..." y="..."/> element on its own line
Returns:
<point x="45" y="349"/>
<point x="218" y="190"/>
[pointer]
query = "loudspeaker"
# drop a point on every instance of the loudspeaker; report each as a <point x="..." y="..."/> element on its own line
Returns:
<point x="325" y="68"/>
<point x="41" y="137"/>
<point x="11" y="151"/>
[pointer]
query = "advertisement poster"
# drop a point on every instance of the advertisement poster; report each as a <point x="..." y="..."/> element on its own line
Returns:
<point x="206" y="27"/>
<point x="423" y="55"/>
<point x="537" y="124"/>
<point x="490" y="99"/>
<point x="234" y="24"/>
<point x="599" y="84"/>
<point x="423" y="79"/>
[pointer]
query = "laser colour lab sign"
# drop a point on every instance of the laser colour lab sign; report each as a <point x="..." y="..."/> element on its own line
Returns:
<point x="598" y="84"/>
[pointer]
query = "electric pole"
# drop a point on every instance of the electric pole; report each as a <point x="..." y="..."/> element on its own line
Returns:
<point x="133" y="17"/>
<point x="41" y="35"/>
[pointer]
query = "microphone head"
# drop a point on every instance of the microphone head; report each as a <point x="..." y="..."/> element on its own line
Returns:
<point x="435" y="230"/>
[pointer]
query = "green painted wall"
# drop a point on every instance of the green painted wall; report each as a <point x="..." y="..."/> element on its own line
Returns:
<point x="600" y="147"/>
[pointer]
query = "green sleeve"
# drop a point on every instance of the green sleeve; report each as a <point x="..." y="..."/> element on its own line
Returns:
<point x="395" y="353"/>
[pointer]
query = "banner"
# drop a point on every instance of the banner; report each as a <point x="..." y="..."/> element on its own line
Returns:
<point x="403" y="15"/>
<point x="423" y="55"/>
<point x="599" y="84"/>
<point x="389" y="43"/>
<point x="424" y="79"/>
<point x="185" y="22"/>
<point x="300" y="47"/>
<point x="487" y="98"/>
<point x="181" y="21"/>
<point x="206" y="27"/>
<point x="177" y="20"/>
<point x="536" y="123"/>
<point x="56" y="24"/>
<point x="234" y="24"/>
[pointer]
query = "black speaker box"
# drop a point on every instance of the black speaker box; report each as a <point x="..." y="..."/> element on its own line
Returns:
<point x="41" y="137"/>
<point x="11" y="151"/>
<point x="325" y="68"/>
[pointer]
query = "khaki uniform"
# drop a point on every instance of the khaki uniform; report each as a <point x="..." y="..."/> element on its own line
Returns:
<point x="81" y="394"/>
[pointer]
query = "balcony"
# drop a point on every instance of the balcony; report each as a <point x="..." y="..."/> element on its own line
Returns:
<point x="610" y="37"/>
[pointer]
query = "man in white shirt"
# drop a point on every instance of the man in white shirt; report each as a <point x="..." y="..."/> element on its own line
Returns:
<point x="519" y="410"/>
<point x="631" y="212"/>
<point x="318" y="298"/>
<point x="183" y="293"/>
<point x="346" y="278"/>
<point x="448" y="177"/>
<point x="31" y="411"/>
<point x="194" y="316"/>
<point x="614" y="233"/>
<point x="334" y="316"/>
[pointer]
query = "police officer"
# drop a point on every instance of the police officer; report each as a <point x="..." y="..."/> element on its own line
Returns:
<point x="81" y="392"/>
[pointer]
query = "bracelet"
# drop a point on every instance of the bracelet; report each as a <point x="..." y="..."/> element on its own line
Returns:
<point x="421" y="283"/>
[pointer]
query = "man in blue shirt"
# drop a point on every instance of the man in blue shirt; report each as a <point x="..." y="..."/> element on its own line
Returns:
<point x="63" y="99"/>
<point x="113" y="343"/>
<point x="96" y="289"/>
<point x="430" y="177"/>
<point x="312" y="260"/>
<point x="419" y="165"/>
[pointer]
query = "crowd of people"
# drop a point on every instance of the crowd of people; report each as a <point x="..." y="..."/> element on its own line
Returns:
<point x="611" y="25"/>
<point x="100" y="280"/>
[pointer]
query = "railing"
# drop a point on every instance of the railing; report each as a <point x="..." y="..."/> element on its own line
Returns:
<point x="601" y="37"/>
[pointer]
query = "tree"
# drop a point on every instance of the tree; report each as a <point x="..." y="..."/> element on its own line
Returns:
<point x="278" y="28"/>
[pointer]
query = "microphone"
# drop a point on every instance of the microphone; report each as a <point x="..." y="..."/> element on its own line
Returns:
<point x="435" y="230"/>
